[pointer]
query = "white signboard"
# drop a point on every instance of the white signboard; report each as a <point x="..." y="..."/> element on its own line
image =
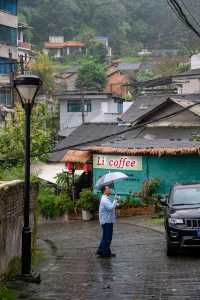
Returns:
<point x="130" y="163"/>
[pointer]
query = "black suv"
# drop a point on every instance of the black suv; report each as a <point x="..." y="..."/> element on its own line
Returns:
<point x="182" y="217"/>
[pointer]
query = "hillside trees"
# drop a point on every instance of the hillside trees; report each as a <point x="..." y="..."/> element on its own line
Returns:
<point x="148" y="23"/>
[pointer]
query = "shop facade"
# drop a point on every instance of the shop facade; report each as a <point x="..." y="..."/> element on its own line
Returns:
<point x="169" y="169"/>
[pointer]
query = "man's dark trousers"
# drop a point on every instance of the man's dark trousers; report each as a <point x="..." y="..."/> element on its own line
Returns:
<point x="104" y="247"/>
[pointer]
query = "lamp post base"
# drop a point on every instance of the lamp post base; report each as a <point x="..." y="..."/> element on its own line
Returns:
<point x="33" y="277"/>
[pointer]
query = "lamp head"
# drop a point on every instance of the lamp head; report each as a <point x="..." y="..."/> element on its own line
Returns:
<point x="27" y="87"/>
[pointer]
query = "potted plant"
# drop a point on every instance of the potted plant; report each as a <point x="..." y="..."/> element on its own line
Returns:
<point x="54" y="207"/>
<point x="88" y="203"/>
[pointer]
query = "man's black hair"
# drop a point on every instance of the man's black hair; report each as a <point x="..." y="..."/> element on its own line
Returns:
<point x="103" y="189"/>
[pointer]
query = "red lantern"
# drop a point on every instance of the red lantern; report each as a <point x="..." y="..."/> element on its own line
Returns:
<point x="69" y="166"/>
<point x="87" y="168"/>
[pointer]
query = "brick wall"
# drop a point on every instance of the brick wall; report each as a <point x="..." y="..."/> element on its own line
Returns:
<point x="11" y="221"/>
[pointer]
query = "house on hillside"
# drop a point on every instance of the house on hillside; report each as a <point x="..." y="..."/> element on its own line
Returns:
<point x="163" y="143"/>
<point x="189" y="82"/>
<point x="78" y="107"/>
<point x="116" y="81"/>
<point x="58" y="48"/>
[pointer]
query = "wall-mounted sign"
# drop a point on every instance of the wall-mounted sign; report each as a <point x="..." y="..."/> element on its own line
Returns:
<point x="118" y="162"/>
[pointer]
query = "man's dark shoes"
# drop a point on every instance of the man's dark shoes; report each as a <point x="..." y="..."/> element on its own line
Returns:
<point x="107" y="255"/>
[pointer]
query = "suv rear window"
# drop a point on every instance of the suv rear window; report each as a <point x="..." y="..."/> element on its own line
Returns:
<point x="187" y="195"/>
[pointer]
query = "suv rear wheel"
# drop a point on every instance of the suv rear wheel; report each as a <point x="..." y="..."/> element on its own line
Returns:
<point x="171" y="249"/>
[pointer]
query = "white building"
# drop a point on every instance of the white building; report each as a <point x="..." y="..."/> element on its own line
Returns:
<point x="189" y="82"/>
<point x="99" y="107"/>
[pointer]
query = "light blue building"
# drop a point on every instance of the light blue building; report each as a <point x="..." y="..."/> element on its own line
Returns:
<point x="8" y="47"/>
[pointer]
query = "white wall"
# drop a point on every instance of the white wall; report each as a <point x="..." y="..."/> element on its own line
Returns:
<point x="191" y="86"/>
<point x="74" y="119"/>
<point x="4" y="51"/>
<point x="8" y="19"/>
<point x="195" y="61"/>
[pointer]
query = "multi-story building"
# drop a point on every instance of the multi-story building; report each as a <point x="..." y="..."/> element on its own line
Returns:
<point x="8" y="48"/>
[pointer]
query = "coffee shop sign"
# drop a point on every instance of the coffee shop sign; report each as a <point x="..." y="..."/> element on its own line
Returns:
<point x="117" y="162"/>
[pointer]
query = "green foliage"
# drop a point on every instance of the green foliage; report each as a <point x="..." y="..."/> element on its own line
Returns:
<point x="91" y="75"/>
<point x="149" y="190"/>
<point x="12" y="136"/>
<point x="43" y="67"/>
<point x="9" y="172"/>
<point x="5" y="293"/>
<point x="52" y="205"/>
<point x="88" y="201"/>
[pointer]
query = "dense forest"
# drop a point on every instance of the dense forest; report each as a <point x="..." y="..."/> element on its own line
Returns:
<point x="129" y="24"/>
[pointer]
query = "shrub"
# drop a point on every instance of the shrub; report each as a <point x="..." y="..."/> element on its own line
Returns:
<point x="88" y="201"/>
<point x="51" y="205"/>
<point x="5" y="294"/>
<point x="149" y="190"/>
<point x="131" y="201"/>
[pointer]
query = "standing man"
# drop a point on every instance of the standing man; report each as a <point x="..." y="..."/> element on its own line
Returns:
<point x="107" y="219"/>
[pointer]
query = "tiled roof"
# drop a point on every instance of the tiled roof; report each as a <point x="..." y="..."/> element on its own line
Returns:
<point x="144" y="104"/>
<point x="48" y="45"/>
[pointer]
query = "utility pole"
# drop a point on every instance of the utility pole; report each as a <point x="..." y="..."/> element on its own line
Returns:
<point x="82" y="106"/>
<point x="22" y="64"/>
<point x="11" y="78"/>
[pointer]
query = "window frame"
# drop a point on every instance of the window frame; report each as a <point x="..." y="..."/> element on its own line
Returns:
<point x="10" y="35"/>
<point x="4" y="6"/>
<point x="78" y="103"/>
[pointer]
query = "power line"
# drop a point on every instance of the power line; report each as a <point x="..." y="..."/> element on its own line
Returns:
<point x="189" y="12"/>
<point x="107" y="136"/>
<point x="178" y="10"/>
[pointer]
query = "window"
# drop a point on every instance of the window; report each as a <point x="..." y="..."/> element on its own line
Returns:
<point x="9" y="6"/>
<point x="76" y="106"/>
<point x="8" y="35"/>
<point x="6" y="67"/>
<point x="120" y="107"/>
<point x="5" y="97"/>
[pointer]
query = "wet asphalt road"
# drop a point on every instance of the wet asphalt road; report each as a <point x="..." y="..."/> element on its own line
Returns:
<point x="141" y="270"/>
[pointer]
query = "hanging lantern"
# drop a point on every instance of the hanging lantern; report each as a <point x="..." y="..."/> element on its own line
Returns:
<point x="69" y="166"/>
<point x="87" y="168"/>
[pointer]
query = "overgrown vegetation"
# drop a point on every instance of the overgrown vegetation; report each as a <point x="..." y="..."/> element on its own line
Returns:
<point x="91" y="75"/>
<point x="43" y="67"/>
<point x="43" y="131"/>
<point x="147" y="195"/>
<point x="5" y="293"/>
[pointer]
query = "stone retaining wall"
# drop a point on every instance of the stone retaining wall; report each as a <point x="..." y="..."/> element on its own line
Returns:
<point x="11" y="221"/>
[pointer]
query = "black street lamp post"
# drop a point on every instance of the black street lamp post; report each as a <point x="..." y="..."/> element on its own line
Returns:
<point x="27" y="87"/>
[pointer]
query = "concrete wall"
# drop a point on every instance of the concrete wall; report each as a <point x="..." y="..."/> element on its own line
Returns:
<point x="169" y="169"/>
<point x="11" y="221"/>
<point x="4" y="51"/>
<point x="7" y="19"/>
<point x="195" y="61"/>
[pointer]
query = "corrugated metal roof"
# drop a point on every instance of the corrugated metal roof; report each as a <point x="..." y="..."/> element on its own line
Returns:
<point x="144" y="104"/>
